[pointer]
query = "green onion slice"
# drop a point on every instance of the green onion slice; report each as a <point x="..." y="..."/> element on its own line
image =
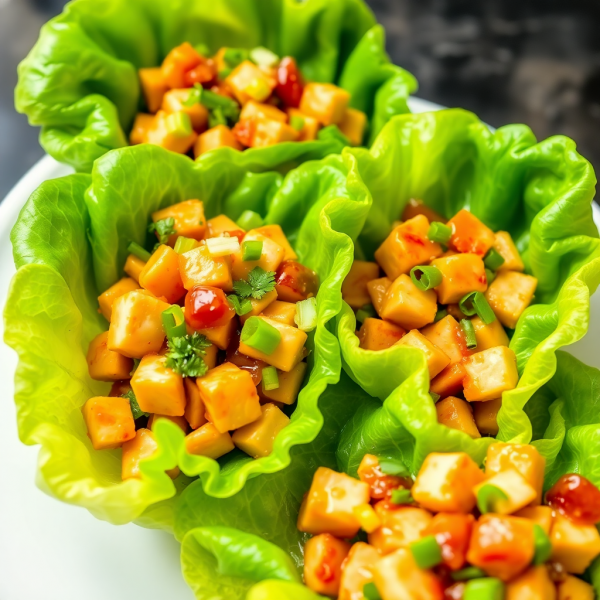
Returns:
<point x="468" y="573"/>
<point x="216" y="117"/>
<point x="249" y="220"/>
<point x="490" y="276"/>
<point x="475" y="303"/>
<point x="306" y="314"/>
<point x="235" y="56"/>
<point x="390" y="466"/>
<point x="270" y="379"/>
<point x="174" y="322"/>
<point x="488" y="588"/>
<point x="401" y="496"/>
<point x="251" y="250"/>
<point x="366" y="312"/>
<point x="179" y="124"/>
<point x="488" y="496"/>
<point x="469" y="331"/>
<point x="260" y="335"/>
<point x="435" y="397"/>
<point x="297" y="122"/>
<point x="426" y="277"/>
<point x="184" y="244"/>
<point x="426" y="552"/>
<point x="242" y="306"/>
<point x="440" y="314"/>
<point x="370" y="591"/>
<point x="543" y="545"/>
<point x="138" y="251"/>
<point x="493" y="260"/>
<point x="440" y="233"/>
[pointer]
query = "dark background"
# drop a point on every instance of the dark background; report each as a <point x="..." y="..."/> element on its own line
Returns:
<point x="535" y="62"/>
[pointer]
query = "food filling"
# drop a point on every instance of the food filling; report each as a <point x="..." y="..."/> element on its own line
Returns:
<point x="239" y="99"/>
<point x="454" y="289"/>
<point x="456" y="532"/>
<point x="208" y="331"/>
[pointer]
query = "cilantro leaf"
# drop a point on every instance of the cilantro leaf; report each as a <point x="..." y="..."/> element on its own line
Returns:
<point x="164" y="228"/>
<point x="242" y="306"/>
<point x="259" y="283"/>
<point x="136" y="411"/>
<point x="185" y="355"/>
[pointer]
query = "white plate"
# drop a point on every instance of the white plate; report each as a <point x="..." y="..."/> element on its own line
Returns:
<point x="55" y="551"/>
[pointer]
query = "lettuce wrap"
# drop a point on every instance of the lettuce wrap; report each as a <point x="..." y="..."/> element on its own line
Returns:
<point x="539" y="192"/>
<point x="70" y="243"/>
<point x="80" y="82"/>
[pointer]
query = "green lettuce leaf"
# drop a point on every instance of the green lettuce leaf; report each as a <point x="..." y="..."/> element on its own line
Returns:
<point x="541" y="193"/>
<point x="276" y="590"/>
<point x="80" y="84"/>
<point x="70" y="242"/>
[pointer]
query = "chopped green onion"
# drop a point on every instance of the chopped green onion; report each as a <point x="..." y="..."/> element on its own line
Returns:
<point x="174" y="322"/>
<point x="138" y="251"/>
<point x="249" y="220"/>
<point x="490" y="276"/>
<point x="426" y="278"/>
<point x="401" y="496"/>
<point x="440" y="233"/>
<point x="440" y="314"/>
<point x="263" y="57"/>
<point x="426" y="552"/>
<point x="493" y="259"/>
<point x="306" y="314"/>
<point x="261" y="336"/>
<point x="252" y="250"/>
<point x="467" y="573"/>
<point x="390" y="466"/>
<point x="366" y="312"/>
<point x="333" y="132"/>
<point x="216" y="117"/>
<point x="297" y="122"/>
<point x="475" y="303"/>
<point x="370" y="591"/>
<point x="487" y="497"/>
<point x="224" y="73"/>
<point x="136" y="411"/>
<point x="469" y="332"/>
<point x="223" y="246"/>
<point x="212" y="101"/>
<point x="270" y="379"/>
<point x="234" y="56"/>
<point x="179" y="124"/>
<point x="543" y="545"/>
<point x="242" y="306"/>
<point x="184" y="244"/>
<point x="202" y="50"/>
<point x="488" y="588"/>
<point x="435" y="397"/>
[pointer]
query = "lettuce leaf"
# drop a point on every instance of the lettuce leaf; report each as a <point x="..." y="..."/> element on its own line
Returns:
<point x="541" y="193"/>
<point x="70" y="242"/>
<point x="80" y="84"/>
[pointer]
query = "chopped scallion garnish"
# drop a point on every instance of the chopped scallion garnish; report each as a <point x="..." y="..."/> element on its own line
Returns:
<point x="467" y="573"/>
<point x="252" y="250"/>
<point x="179" y="124"/>
<point x="184" y="244"/>
<point x="138" y="251"/>
<point x="475" y="303"/>
<point x="487" y="588"/>
<point x="306" y="314"/>
<point x="174" y="322"/>
<point x="426" y="552"/>
<point x="390" y="466"/>
<point x="435" y="397"/>
<point x="488" y="496"/>
<point x="222" y="246"/>
<point x="426" y="277"/>
<point x="440" y="233"/>
<point x="270" y="378"/>
<point x="242" y="306"/>
<point x="370" y="591"/>
<point x="401" y="496"/>
<point x="260" y="335"/>
<point x="543" y="545"/>
<point x="493" y="260"/>
<point x="297" y="122"/>
<point x="440" y="314"/>
<point x="469" y="331"/>
<point x="490" y="276"/>
<point x="366" y="312"/>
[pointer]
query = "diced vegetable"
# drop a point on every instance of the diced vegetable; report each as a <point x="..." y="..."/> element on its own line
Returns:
<point x="407" y="306"/>
<point x="154" y="87"/>
<point x="295" y="282"/>
<point x="219" y="136"/>
<point x="249" y="82"/>
<point x="445" y="482"/>
<point x="523" y="457"/>
<point x="426" y="552"/>
<point x="353" y="125"/>
<point x="290" y="350"/>
<point x="449" y="382"/>
<point x="573" y="588"/>
<point x="574" y="545"/>
<point x="457" y="414"/>
<point x="489" y="373"/>
<point x="509" y="295"/>
<point x="378" y="289"/>
<point x="452" y="532"/>
<point x="270" y="258"/>
<point x="219" y="225"/>
<point x="327" y="508"/>
<point x="436" y="359"/>
<point x="406" y="247"/>
<point x="157" y="388"/>
<point x="136" y="327"/>
<point x="518" y="493"/>
<point x="447" y="335"/>
<point x="165" y="132"/>
<point x="290" y="85"/>
<point x="440" y="233"/>
<point x="104" y="364"/>
<point x="469" y="234"/>
<point x="289" y="385"/>
<point x="489" y="335"/>
<point x="354" y="288"/>
<point x="257" y="438"/>
<point x="109" y="422"/>
<point x="207" y="441"/>
<point x="461" y="274"/>
<point x="207" y="307"/>
<point x="325" y="102"/>
<point x="108" y="298"/>
<point x="142" y="446"/>
<point x="486" y="416"/>
<point x="194" y="408"/>
<point x="416" y="207"/>
<point x="160" y="275"/>
<point x="502" y="546"/>
<point x="505" y="246"/>
<point x="138" y="251"/>
<point x="198" y="267"/>
<point x="323" y="558"/>
<point x="133" y="267"/>
<point x="179" y="60"/>
<point x="259" y="335"/>
<point x="357" y="571"/>
<point x="376" y="334"/>
<point x="189" y="219"/>
<point x="367" y="517"/>
<point x="488" y="588"/>
<point x="174" y="101"/>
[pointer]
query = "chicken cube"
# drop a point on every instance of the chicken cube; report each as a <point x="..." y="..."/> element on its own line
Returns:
<point x="267" y="132"/>
<point x="133" y="267"/>
<point x="275" y="233"/>
<point x="357" y="571"/>
<point x="257" y="110"/>
<point x="353" y="125"/>
<point x="449" y="382"/>
<point x="142" y="446"/>
<point x="408" y="306"/>
<point x="573" y="588"/>
<point x="489" y="335"/>
<point x="219" y="225"/>
<point x="517" y="490"/>
<point x="178" y="61"/>
<point x="469" y="234"/>
<point x="248" y="82"/>
<point x="489" y="373"/>
<point x="574" y="545"/>
<point x="324" y="556"/>
<point x="437" y="361"/>
<point x="461" y="274"/>
<point x="109" y="421"/>
<point x="160" y="275"/>
<point x="325" y="102"/>
<point x="354" y="288"/>
<point x="207" y="441"/>
<point x="271" y="256"/>
<point x="509" y="295"/>
<point x="141" y="126"/>
<point x="448" y="336"/>
<point x="179" y="421"/>
<point x="486" y="416"/>
<point x="534" y="584"/>
<point x="257" y="438"/>
<point x="282" y="312"/>
<point x="216" y="137"/>
<point x="457" y="414"/>
<point x="162" y="134"/>
<point x="377" y="290"/>
<point x="506" y="248"/>
<point x="104" y="364"/>
<point x="375" y="334"/>
<point x="222" y="335"/>
<point x="154" y="87"/>
<point x="108" y="298"/>
<point x="199" y="267"/>
<point x="189" y="219"/>
<point x="310" y="128"/>
<point x="175" y="101"/>
<point x="540" y="515"/>
<point x="289" y="385"/>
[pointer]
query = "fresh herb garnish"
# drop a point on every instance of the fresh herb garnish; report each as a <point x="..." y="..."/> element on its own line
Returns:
<point x="259" y="283"/>
<point x="136" y="411"/>
<point x="185" y="355"/>
<point x="164" y="228"/>
<point x="242" y="306"/>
